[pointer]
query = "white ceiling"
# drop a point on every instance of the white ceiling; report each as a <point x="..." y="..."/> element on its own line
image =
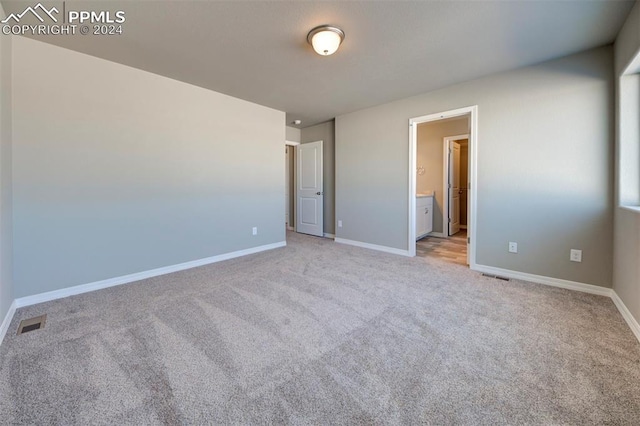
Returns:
<point x="393" y="49"/>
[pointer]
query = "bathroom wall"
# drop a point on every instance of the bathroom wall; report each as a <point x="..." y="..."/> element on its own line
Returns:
<point x="464" y="179"/>
<point x="430" y="156"/>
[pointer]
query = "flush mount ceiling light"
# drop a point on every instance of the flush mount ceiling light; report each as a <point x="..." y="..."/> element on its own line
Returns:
<point x="325" y="39"/>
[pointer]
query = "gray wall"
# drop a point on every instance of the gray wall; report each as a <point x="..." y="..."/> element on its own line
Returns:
<point x="626" y="275"/>
<point x="118" y="171"/>
<point x="545" y="157"/>
<point x="628" y="41"/>
<point x="6" y="247"/>
<point x="430" y="155"/>
<point x="325" y="132"/>
<point x="292" y="134"/>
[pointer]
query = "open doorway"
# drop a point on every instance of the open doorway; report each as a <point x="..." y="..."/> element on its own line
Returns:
<point x="456" y="179"/>
<point x="289" y="186"/>
<point x="442" y="185"/>
<point x="451" y="243"/>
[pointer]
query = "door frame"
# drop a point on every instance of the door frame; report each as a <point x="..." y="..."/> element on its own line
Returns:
<point x="292" y="176"/>
<point x="445" y="180"/>
<point x="473" y="176"/>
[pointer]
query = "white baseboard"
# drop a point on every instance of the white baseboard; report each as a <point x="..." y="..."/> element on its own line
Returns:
<point x="125" y="279"/>
<point x="570" y="285"/>
<point x="626" y="314"/>
<point x="385" y="249"/>
<point x="555" y="282"/>
<point x="290" y="228"/>
<point x="539" y="279"/>
<point x="327" y="235"/>
<point x="7" y="321"/>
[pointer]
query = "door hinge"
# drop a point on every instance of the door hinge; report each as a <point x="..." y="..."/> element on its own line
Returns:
<point x="449" y="220"/>
<point x="468" y="240"/>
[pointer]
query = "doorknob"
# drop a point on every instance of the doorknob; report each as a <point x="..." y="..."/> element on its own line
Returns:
<point x="319" y="193"/>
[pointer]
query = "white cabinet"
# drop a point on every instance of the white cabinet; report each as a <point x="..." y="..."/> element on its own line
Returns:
<point x="424" y="216"/>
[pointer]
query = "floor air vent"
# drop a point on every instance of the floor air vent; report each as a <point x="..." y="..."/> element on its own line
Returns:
<point x="497" y="277"/>
<point x="35" y="323"/>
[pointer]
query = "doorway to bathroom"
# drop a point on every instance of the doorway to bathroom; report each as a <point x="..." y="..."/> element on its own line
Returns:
<point x="442" y="194"/>
<point x="451" y="243"/>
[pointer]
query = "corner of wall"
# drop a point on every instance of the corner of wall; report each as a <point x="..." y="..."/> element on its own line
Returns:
<point x="7" y="303"/>
<point x="626" y="235"/>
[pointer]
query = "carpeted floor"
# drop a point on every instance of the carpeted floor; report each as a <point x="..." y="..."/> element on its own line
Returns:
<point x="323" y="333"/>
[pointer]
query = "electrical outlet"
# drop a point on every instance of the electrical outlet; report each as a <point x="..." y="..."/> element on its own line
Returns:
<point x="339" y="224"/>
<point x="575" y="255"/>
<point x="255" y="230"/>
<point x="513" y="247"/>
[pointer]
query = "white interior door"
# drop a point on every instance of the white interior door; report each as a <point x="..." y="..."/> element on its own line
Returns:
<point x="309" y="189"/>
<point x="454" y="188"/>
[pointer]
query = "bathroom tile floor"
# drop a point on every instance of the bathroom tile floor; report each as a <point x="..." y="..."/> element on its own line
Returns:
<point x="452" y="249"/>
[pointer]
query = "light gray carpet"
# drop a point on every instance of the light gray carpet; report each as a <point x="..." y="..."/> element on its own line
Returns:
<point x="323" y="333"/>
